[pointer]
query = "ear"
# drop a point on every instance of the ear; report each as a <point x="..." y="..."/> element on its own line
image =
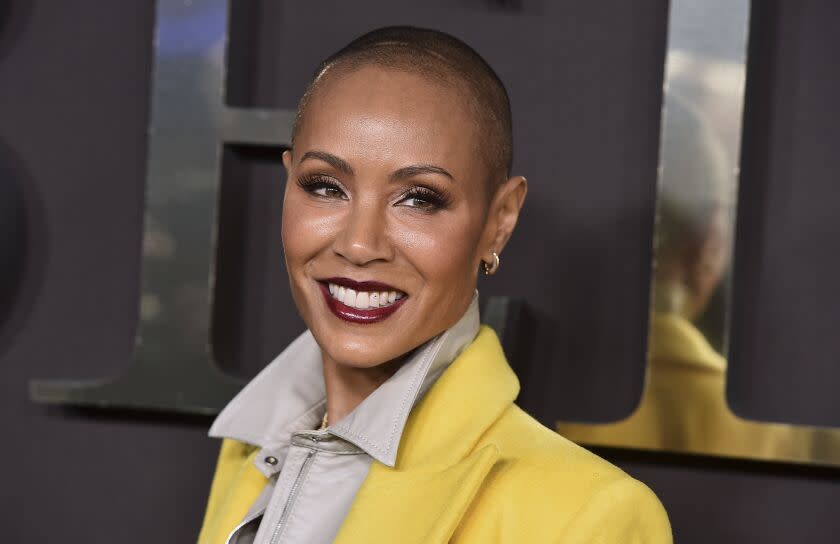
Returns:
<point x="287" y="165"/>
<point x="287" y="161"/>
<point x="503" y="215"/>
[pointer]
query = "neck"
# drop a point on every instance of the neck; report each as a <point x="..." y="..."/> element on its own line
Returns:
<point x="347" y="386"/>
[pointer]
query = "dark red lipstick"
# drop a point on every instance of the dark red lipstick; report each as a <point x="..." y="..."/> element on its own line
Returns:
<point x="355" y="315"/>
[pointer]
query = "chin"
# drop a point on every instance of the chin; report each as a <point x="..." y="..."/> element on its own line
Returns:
<point x="359" y="350"/>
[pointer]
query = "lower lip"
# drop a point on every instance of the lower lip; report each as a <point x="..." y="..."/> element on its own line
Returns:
<point x="354" y="315"/>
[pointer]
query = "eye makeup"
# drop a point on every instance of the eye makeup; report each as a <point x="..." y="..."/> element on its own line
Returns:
<point x="419" y="197"/>
<point x="425" y="198"/>
<point x="322" y="186"/>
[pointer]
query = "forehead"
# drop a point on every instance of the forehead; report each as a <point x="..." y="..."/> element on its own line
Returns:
<point x="374" y="113"/>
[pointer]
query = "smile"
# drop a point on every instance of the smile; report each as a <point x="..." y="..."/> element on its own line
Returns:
<point x="361" y="302"/>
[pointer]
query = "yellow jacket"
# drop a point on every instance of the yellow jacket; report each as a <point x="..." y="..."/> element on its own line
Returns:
<point x="472" y="467"/>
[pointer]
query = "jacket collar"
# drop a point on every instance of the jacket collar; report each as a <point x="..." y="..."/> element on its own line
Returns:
<point x="289" y="396"/>
<point x="467" y="399"/>
<point x="439" y="464"/>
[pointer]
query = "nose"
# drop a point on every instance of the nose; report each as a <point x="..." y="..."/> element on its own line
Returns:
<point x="363" y="238"/>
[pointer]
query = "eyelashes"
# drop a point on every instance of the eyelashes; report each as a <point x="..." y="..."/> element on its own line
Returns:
<point x="321" y="186"/>
<point x="425" y="198"/>
<point x="418" y="197"/>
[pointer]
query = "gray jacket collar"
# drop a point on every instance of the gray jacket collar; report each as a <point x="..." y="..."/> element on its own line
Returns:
<point x="289" y="396"/>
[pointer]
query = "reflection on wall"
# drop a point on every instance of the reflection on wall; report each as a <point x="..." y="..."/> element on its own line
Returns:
<point x="684" y="407"/>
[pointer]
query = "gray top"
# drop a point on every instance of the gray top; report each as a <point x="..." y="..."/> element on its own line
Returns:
<point x="314" y="475"/>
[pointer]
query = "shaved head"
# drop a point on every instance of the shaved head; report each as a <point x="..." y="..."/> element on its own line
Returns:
<point x="443" y="59"/>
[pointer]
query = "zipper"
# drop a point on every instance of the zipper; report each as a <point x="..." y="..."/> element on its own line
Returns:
<point x="284" y="516"/>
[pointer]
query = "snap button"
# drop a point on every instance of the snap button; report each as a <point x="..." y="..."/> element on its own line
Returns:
<point x="271" y="460"/>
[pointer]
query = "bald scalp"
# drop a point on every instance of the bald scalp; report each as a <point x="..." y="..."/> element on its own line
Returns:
<point x="443" y="59"/>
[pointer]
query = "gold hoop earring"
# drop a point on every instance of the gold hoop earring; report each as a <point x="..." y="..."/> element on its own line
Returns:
<point x="490" y="269"/>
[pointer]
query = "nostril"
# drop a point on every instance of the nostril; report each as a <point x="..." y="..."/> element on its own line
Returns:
<point x="361" y="253"/>
<point x="364" y="237"/>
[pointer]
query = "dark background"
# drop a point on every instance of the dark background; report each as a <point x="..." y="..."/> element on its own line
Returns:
<point x="585" y="81"/>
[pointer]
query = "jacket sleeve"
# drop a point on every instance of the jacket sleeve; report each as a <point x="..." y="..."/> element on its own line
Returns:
<point x="624" y="512"/>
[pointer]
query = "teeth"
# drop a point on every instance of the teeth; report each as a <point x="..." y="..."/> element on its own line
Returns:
<point x="349" y="298"/>
<point x="363" y="300"/>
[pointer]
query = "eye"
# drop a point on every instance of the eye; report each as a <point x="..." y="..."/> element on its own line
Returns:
<point x="417" y="202"/>
<point x="328" y="191"/>
<point x="423" y="198"/>
<point x="322" y="186"/>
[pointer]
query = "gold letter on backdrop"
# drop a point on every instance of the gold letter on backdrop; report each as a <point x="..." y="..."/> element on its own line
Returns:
<point x="173" y="367"/>
<point x="683" y="406"/>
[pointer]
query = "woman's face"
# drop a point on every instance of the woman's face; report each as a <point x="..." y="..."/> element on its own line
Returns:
<point x="385" y="216"/>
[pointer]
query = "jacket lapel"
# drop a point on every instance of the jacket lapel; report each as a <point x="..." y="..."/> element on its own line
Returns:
<point x="439" y="468"/>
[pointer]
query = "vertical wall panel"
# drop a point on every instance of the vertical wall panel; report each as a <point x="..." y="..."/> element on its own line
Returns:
<point x="786" y="351"/>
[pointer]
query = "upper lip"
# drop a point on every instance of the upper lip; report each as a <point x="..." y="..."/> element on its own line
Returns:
<point x="361" y="285"/>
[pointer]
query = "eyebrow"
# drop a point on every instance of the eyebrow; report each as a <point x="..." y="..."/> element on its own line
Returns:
<point x="418" y="169"/>
<point x="403" y="173"/>
<point x="329" y="158"/>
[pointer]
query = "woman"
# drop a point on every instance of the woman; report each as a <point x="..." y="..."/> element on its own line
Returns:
<point x="392" y="418"/>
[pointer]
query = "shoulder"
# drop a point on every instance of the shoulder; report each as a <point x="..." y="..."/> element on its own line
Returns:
<point x="556" y="488"/>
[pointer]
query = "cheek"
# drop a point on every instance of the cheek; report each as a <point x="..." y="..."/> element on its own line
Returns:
<point x="443" y="252"/>
<point x="306" y="230"/>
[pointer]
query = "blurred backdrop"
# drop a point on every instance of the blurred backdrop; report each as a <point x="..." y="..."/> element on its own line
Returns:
<point x="586" y="84"/>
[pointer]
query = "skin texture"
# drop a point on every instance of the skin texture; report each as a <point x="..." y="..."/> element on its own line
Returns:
<point x="349" y="211"/>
